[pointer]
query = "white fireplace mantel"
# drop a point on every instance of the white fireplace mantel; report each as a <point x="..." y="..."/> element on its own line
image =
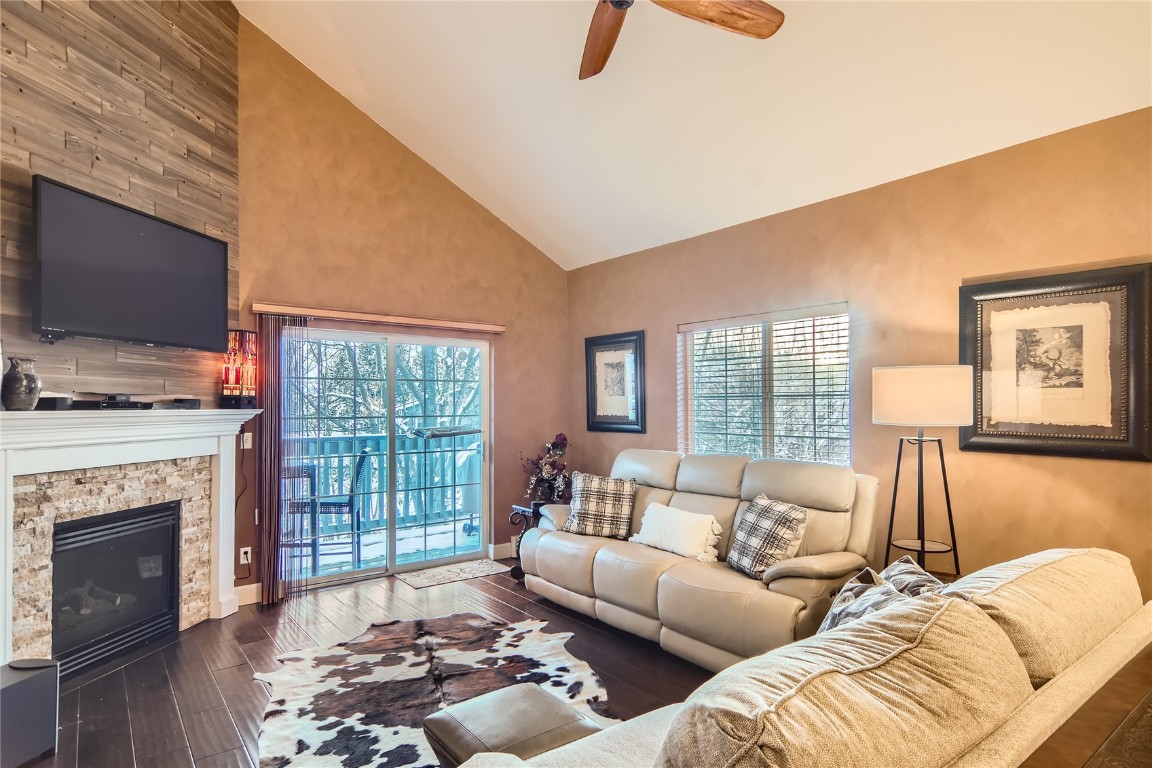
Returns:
<point x="57" y="441"/>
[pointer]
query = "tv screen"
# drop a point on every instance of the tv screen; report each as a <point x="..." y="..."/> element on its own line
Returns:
<point x="109" y="272"/>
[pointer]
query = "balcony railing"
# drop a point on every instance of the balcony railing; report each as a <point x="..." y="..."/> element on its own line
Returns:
<point x="438" y="492"/>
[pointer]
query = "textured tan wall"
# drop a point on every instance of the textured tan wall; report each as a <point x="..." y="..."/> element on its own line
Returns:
<point x="134" y="102"/>
<point x="898" y="254"/>
<point x="335" y="212"/>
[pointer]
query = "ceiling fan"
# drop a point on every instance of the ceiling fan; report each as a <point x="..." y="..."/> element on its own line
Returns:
<point x="753" y="18"/>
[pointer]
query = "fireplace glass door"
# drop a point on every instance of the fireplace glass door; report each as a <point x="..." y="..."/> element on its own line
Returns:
<point x="114" y="584"/>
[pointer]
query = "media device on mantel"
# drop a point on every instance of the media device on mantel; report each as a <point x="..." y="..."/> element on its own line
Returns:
<point x="109" y="272"/>
<point x="112" y="403"/>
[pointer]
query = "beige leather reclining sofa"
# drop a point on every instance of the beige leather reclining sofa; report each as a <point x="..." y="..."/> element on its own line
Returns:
<point x="709" y="613"/>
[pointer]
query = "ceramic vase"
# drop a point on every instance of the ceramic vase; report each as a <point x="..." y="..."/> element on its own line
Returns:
<point x="20" y="390"/>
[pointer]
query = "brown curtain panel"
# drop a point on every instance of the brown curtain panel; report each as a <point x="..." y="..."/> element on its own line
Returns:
<point x="275" y="334"/>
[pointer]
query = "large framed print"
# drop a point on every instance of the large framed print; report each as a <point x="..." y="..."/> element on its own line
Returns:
<point x="614" y="367"/>
<point x="1061" y="364"/>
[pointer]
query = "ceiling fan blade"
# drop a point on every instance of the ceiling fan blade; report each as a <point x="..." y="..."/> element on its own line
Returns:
<point x="602" y="34"/>
<point x="753" y="18"/>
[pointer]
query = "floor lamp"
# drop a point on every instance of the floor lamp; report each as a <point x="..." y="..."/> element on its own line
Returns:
<point x="922" y="396"/>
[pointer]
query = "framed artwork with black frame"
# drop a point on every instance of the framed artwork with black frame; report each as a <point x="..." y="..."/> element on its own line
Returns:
<point x="1061" y="364"/>
<point x="614" y="367"/>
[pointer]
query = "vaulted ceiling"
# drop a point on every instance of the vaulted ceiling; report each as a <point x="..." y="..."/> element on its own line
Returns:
<point x="690" y="129"/>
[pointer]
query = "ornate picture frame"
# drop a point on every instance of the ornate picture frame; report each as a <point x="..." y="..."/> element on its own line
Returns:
<point x="614" y="369"/>
<point x="1061" y="364"/>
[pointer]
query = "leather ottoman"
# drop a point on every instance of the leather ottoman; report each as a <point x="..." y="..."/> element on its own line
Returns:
<point x="523" y="720"/>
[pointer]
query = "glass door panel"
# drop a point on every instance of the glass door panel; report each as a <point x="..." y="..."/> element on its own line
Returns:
<point x="342" y="392"/>
<point x="336" y="444"/>
<point x="439" y="477"/>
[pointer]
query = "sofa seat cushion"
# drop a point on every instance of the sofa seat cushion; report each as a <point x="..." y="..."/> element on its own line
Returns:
<point x="1055" y="605"/>
<point x="719" y="606"/>
<point x="900" y="688"/>
<point x="565" y="559"/>
<point x="626" y="573"/>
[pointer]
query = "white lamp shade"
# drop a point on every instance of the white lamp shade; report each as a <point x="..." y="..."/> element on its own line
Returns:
<point x="922" y="395"/>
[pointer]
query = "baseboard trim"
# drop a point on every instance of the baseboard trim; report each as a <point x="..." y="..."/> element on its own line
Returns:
<point x="502" y="551"/>
<point x="229" y="604"/>
<point x="248" y="594"/>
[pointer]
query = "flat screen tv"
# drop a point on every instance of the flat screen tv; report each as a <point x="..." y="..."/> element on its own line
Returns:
<point x="109" y="272"/>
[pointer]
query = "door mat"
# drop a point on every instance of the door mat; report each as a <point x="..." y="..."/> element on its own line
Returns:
<point x="446" y="574"/>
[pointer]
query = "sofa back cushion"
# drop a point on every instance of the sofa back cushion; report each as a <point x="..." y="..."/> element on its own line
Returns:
<point x="898" y="688"/>
<point x="723" y="485"/>
<point x="655" y="476"/>
<point x="1055" y="605"/>
<point x="655" y="469"/>
<point x="723" y="508"/>
<point x="646" y="496"/>
<point x="711" y="474"/>
<point x="827" y="492"/>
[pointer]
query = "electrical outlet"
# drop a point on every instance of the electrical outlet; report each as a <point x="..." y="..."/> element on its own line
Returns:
<point x="245" y="555"/>
<point x="245" y="441"/>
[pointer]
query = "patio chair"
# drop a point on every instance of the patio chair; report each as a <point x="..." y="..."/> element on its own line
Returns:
<point x="303" y="513"/>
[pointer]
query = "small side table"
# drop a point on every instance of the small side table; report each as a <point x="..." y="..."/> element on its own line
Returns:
<point x="525" y="517"/>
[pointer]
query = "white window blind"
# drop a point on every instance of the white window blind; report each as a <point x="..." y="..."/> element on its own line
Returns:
<point x="772" y="387"/>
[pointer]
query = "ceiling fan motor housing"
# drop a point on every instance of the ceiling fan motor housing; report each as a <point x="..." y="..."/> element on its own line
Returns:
<point x="621" y="5"/>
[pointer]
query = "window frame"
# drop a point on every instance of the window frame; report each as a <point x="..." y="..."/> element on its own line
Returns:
<point x="767" y="321"/>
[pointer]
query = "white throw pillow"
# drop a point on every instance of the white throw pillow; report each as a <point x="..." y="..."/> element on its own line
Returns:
<point x="683" y="533"/>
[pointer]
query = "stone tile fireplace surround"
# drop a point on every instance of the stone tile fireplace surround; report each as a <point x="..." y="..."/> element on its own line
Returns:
<point x="59" y="466"/>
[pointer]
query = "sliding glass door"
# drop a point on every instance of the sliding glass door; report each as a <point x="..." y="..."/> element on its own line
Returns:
<point x="439" y="398"/>
<point x="384" y="445"/>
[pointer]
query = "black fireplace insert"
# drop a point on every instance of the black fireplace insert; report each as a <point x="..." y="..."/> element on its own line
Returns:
<point x="115" y="584"/>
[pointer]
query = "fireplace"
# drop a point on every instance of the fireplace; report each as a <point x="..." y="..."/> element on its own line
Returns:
<point x="115" y="584"/>
<point x="58" y="467"/>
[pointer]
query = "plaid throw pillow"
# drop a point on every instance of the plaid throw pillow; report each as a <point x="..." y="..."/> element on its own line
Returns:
<point x="601" y="506"/>
<point x="861" y="595"/>
<point x="769" y="532"/>
<point x="909" y="578"/>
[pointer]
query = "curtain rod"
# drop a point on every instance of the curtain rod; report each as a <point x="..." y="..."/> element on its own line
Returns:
<point x="370" y="317"/>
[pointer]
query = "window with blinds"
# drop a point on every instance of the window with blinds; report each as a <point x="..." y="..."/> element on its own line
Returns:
<point x="769" y="386"/>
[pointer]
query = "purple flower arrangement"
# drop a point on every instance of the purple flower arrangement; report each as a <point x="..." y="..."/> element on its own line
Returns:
<point x="548" y="473"/>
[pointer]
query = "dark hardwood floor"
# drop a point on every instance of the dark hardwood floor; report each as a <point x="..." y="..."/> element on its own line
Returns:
<point x="194" y="702"/>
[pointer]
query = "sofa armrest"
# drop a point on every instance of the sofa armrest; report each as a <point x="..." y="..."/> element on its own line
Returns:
<point x="830" y="565"/>
<point x="493" y="760"/>
<point x="552" y="516"/>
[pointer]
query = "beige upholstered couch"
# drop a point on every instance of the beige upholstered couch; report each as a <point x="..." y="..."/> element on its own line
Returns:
<point x="975" y="677"/>
<point x="707" y="612"/>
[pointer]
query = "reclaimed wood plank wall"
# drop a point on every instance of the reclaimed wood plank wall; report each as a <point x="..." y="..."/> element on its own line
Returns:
<point x="135" y="102"/>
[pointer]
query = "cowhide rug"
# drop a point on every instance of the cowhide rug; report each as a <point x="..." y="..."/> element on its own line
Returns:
<point x="362" y="702"/>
